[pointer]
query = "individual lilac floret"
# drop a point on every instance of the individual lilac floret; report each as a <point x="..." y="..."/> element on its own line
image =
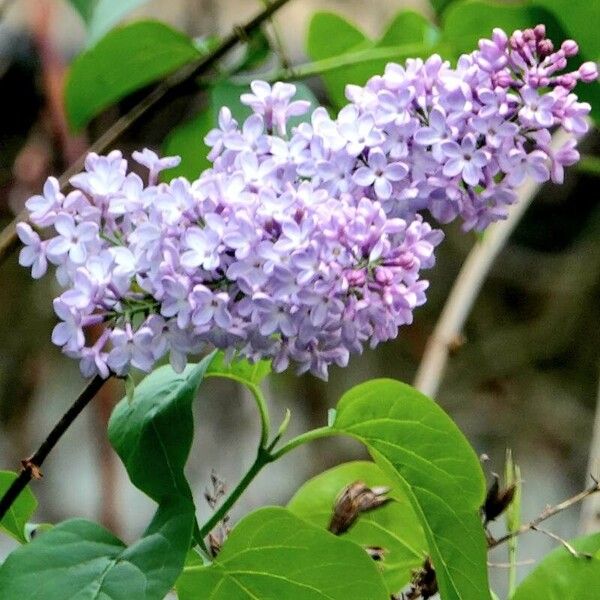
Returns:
<point x="303" y="249"/>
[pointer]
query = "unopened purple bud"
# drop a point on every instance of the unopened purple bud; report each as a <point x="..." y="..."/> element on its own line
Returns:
<point x="503" y="79"/>
<point x="383" y="275"/>
<point x="570" y="48"/>
<point x="529" y="35"/>
<point x="567" y="81"/>
<point x="560" y="63"/>
<point x="545" y="48"/>
<point x="356" y="278"/>
<point x="540" y="32"/>
<point x="588" y="72"/>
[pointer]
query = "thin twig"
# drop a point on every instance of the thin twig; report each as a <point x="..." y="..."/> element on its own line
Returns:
<point x="171" y="86"/>
<point x="31" y="466"/>
<point x="590" y="509"/>
<point x="468" y="284"/>
<point x="564" y="543"/>
<point x="548" y="512"/>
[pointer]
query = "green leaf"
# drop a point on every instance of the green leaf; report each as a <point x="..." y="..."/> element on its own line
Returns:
<point x="331" y="35"/>
<point x="408" y="35"/>
<point x="238" y="369"/>
<point x="272" y="554"/>
<point x="394" y="526"/>
<point x="20" y="512"/>
<point x="421" y="449"/>
<point x="409" y="27"/>
<point x="81" y="560"/>
<point x="153" y="433"/>
<point x="562" y="576"/>
<point x="126" y="59"/>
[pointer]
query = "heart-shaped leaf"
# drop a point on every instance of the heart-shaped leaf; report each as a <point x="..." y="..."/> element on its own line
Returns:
<point x="126" y="59"/>
<point x="424" y="453"/>
<point x="272" y="554"/>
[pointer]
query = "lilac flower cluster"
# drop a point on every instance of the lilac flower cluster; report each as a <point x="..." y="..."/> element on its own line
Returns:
<point x="301" y="246"/>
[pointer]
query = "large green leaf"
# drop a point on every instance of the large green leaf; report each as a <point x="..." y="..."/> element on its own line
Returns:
<point x="20" y="512"/>
<point x="562" y="576"/>
<point x="421" y="449"/>
<point x="272" y="554"/>
<point x="394" y="526"/>
<point x="100" y="15"/>
<point x="407" y="35"/>
<point x="81" y="560"/>
<point x="153" y="432"/>
<point x="125" y="60"/>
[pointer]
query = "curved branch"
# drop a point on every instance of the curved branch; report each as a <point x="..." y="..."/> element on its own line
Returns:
<point x="174" y="84"/>
<point x="468" y="284"/>
<point x="31" y="466"/>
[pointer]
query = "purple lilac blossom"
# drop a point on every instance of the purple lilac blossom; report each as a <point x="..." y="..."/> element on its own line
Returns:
<point x="302" y="246"/>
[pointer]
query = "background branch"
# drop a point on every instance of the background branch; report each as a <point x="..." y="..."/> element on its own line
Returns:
<point x="31" y="466"/>
<point x="171" y="86"/>
<point x="548" y="512"/>
<point x="590" y="510"/>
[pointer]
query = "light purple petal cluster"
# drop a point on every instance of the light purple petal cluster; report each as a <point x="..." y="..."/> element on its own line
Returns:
<point x="300" y="249"/>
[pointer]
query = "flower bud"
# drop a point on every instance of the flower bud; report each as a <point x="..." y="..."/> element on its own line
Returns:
<point x="570" y="48"/>
<point x="588" y="72"/>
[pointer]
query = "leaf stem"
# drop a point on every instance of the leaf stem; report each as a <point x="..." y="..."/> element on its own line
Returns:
<point x="264" y="456"/>
<point x="303" y="438"/>
<point x="31" y="466"/>
<point x="261" y="403"/>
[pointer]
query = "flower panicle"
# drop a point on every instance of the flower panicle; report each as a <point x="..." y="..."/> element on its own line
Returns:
<point x="302" y="245"/>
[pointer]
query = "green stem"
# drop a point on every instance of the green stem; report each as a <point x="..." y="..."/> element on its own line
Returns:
<point x="336" y="62"/>
<point x="263" y="458"/>
<point x="303" y="438"/>
<point x="260" y="400"/>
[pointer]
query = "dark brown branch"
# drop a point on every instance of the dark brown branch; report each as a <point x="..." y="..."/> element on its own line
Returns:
<point x="31" y="466"/>
<point x="547" y="513"/>
<point x="171" y="86"/>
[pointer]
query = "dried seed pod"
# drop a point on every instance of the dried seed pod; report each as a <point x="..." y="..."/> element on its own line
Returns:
<point x="497" y="500"/>
<point x="353" y="500"/>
